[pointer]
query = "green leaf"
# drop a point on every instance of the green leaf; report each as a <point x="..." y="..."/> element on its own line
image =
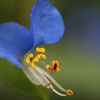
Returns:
<point x="15" y="78"/>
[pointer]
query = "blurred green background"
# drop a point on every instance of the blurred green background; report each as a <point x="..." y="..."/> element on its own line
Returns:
<point x="78" y="52"/>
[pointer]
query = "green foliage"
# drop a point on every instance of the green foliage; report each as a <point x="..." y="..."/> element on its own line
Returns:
<point x="15" y="78"/>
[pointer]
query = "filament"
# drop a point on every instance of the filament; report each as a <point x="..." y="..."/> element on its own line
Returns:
<point x="50" y="84"/>
<point x="30" y="77"/>
<point x="47" y="75"/>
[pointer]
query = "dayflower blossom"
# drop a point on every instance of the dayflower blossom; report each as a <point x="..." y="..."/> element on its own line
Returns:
<point x="46" y="27"/>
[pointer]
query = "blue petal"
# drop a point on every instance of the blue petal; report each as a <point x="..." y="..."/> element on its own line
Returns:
<point x="46" y="23"/>
<point x="15" y="41"/>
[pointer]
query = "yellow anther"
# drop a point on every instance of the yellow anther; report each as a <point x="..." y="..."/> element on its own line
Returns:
<point x="42" y="50"/>
<point x="47" y="66"/>
<point x="29" y="58"/>
<point x="33" y="65"/>
<point x="43" y="56"/>
<point x="37" y="49"/>
<point x="38" y="56"/>
<point x="40" y="53"/>
<point x="35" y="60"/>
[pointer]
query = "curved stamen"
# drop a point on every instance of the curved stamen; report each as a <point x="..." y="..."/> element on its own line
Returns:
<point x="57" y="91"/>
<point x="35" y="76"/>
<point x="29" y="73"/>
<point x="51" y="85"/>
<point x="47" y="75"/>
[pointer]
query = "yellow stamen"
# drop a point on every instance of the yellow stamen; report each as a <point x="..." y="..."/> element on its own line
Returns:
<point x="38" y="56"/>
<point x="42" y="50"/>
<point x="28" y="58"/>
<point x="31" y="60"/>
<point x="35" y="60"/>
<point x="37" y="49"/>
<point x="47" y="66"/>
<point x="43" y="56"/>
<point x="40" y="53"/>
<point x="33" y="65"/>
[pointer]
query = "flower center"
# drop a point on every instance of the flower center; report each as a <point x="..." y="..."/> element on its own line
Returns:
<point x="44" y="75"/>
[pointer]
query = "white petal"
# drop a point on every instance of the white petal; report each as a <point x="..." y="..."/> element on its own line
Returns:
<point x="35" y="76"/>
<point x="32" y="76"/>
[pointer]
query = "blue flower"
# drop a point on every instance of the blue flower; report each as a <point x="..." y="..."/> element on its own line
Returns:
<point x="46" y="27"/>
